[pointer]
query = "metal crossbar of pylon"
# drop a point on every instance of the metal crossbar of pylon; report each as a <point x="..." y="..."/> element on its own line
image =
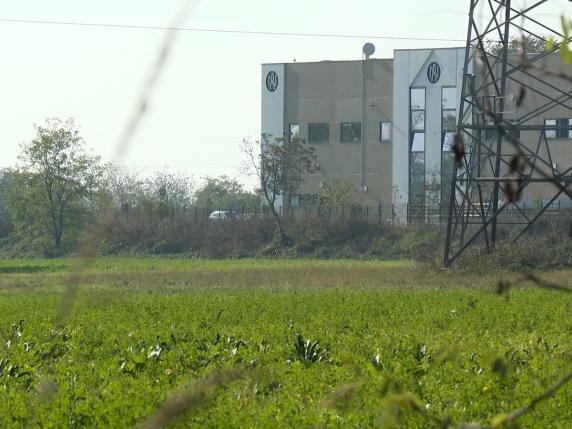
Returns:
<point x="504" y="147"/>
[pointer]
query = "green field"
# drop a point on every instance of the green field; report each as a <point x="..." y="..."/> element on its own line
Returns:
<point x="259" y="343"/>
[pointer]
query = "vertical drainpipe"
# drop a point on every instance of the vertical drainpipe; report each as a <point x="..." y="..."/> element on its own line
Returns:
<point x="363" y="123"/>
<point x="367" y="51"/>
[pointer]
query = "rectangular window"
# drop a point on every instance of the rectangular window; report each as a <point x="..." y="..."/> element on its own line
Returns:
<point x="447" y="169"/>
<point x="417" y="142"/>
<point x="314" y="200"/>
<point x="490" y="133"/>
<point x="564" y="131"/>
<point x="448" y="141"/>
<point x="294" y="133"/>
<point x="416" y="185"/>
<point x="449" y="98"/>
<point x="416" y="209"/>
<point x="418" y="120"/>
<point x="449" y="120"/>
<point x="384" y="131"/>
<point x="319" y="132"/>
<point x="448" y="109"/>
<point x="295" y="200"/>
<point x="417" y="98"/>
<point x="350" y="132"/>
<point x="550" y="134"/>
<point x="513" y="131"/>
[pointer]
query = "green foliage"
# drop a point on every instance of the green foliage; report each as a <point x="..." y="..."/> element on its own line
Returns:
<point x="169" y="190"/>
<point x="6" y="225"/>
<point x="146" y="332"/>
<point x="518" y="44"/>
<point x="564" y="45"/>
<point x="224" y="193"/>
<point x="51" y="194"/>
<point x="338" y="194"/>
<point x="280" y="167"/>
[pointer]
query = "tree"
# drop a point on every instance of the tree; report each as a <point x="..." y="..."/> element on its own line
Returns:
<point x="170" y="191"/>
<point x="53" y="187"/>
<point x="519" y="44"/>
<point x="6" y="179"/>
<point x="224" y="193"/>
<point x="338" y="194"/>
<point x="122" y="187"/>
<point x="280" y="166"/>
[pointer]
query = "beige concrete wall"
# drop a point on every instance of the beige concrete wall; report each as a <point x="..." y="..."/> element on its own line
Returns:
<point x="331" y="92"/>
<point x="558" y="150"/>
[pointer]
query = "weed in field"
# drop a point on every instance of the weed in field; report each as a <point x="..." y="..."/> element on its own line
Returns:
<point x="309" y="351"/>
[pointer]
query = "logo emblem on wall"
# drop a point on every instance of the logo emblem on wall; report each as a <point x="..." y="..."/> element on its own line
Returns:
<point x="434" y="72"/>
<point x="272" y="81"/>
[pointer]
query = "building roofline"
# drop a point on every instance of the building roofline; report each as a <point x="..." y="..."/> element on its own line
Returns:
<point x="325" y="61"/>
<point x="430" y="49"/>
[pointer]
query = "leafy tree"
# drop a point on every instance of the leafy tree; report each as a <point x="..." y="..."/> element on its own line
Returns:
<point x="6" y="226"/>
<point x="170" y="191"/>
<point x="53" y="188"/>
<point x="338" y="194"/>
<point x="280" y="167"/>
<point x="225" y="193"/>
<point x="517" y="44"/>
<point x="122" y="187"/>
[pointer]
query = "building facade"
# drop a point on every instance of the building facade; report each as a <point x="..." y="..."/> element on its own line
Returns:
<point x="427" y="88"/>
<point x="322" y="104"/>
<point x="387" y="126"/>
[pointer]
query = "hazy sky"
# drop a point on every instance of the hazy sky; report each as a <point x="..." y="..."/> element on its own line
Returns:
<point x="208" y="98"/>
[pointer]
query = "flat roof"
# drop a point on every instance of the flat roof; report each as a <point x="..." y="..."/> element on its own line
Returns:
<point x="371" y="59"/>
<point x="430" y="49"/>
<point x="327" y="61"/>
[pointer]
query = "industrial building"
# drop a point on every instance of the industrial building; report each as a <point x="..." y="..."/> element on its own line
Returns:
<point x="387" y="125"/>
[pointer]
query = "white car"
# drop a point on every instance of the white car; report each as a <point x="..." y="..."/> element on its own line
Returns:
<point x="219" y="215"/>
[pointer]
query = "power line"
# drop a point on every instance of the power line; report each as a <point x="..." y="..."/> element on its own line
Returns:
<point x="218" y="30"/>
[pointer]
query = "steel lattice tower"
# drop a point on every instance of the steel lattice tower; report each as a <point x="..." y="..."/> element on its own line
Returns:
<point x="505" y="147"/>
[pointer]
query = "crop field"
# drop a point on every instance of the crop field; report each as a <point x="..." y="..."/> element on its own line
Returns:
<point x="261" y="343"/>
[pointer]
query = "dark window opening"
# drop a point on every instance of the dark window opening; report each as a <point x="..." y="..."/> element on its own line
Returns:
<point x="319" y="133"/>
<point x="350" y="132"/>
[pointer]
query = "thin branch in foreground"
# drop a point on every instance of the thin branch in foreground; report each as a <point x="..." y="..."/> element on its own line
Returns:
<point x="505" y="286"/>
<point x="142" y="104"/>
<point x="192" y="398"/>
<point x="505" y="419"/>
<point x="106" y="219"/>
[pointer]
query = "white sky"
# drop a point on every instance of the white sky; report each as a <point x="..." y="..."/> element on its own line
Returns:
<point x="208" y="98"/>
